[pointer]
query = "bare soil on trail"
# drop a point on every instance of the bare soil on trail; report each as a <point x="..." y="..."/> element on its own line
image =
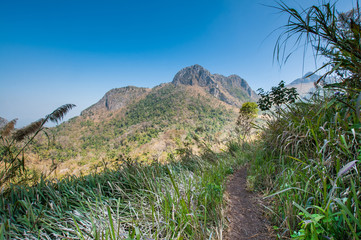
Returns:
<point x="244" y="212"/>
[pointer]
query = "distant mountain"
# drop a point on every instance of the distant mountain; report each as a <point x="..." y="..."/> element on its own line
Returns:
<point x="3" y="122"/>
<point x="305" y="85"/>
<point x="147" y="124"/>
<point x="307" y="78"/>
<point x="232" y="90"/>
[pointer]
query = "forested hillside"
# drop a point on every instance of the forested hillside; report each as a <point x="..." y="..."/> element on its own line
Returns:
<point x="148" y="124"/>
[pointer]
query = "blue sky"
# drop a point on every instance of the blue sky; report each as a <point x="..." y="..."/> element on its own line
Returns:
<point x="73" y="51"/>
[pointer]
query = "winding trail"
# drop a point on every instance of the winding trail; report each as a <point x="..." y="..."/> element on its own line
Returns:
<point x="244" y="212"/>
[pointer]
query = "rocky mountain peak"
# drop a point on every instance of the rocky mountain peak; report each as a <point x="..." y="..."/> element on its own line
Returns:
<point x="194" y="75"/>
<point x="232" y="89"/>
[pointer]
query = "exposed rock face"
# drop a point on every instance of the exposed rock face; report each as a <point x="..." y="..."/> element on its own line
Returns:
<point x="232" y="89"/>
<point x="116" y="99"/>
<point x="3" y="122"/>
<point x="194" y="75"/>
<point x="235" y="82"/>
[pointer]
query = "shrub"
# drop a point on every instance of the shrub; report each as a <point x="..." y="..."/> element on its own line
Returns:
<point x="247" y="114"/>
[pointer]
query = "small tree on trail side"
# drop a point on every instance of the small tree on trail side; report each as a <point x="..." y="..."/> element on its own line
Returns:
<point x="14" y="142"/>
<point x="247" y="114"/>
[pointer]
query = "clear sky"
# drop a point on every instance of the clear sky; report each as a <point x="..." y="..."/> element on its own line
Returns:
<point x="74" y="51"/>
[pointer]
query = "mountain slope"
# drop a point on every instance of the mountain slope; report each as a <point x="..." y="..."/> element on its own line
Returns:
<point x="307" y="78"/>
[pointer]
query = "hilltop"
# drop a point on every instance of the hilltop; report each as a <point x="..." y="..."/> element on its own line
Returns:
<point x="232" y="90"/>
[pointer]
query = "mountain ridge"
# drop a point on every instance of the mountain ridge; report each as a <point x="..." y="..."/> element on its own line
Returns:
<point x="115" y="99"/>
<point x="232" y="90"/>
<point x="307" y="78"/>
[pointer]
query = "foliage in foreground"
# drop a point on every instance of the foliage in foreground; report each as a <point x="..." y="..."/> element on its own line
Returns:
<point x="13" y="144"/>
<point x="310" y="163"/>
<point x="310" y="169"/>
<point x="333" y="35"/>
<point x="179" y="200"/>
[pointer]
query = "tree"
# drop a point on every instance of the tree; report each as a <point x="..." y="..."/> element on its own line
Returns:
<point x="247" y="113"/>
<point x="13" y="144"/>
<point x="276" y="97"/>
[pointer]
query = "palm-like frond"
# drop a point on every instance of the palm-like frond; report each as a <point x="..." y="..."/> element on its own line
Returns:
<point x="16" y="145"/>
<point x="333" y="35"/>
<point x="59" y="113"/>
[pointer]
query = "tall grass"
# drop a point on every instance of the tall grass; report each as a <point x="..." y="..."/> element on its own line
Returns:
<point x="179" y="200"/>
<point x="309" y="167"/>
<point x="311" y="150"/>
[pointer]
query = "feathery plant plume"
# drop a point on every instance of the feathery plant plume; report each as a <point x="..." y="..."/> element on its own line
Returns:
<point x="59" y="113"/>
<point x="56" y="116"/>
<point x="6" y="130"/>
<point x="20" y="134"/>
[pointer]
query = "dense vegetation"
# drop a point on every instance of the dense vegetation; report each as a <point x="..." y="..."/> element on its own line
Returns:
<point x="308" y="168"/>
<point x="308" y="162"/>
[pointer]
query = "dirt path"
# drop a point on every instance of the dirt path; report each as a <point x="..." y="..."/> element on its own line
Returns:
<point x="246" y="220"/>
